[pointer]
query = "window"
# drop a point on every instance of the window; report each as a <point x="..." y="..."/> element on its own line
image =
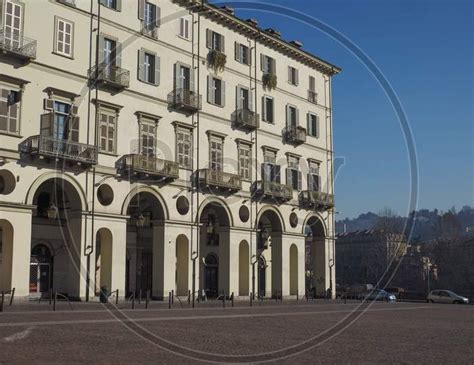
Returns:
<point x="109" y="52"/>
<point x="148" y="67"/>
<point x="314" y="179"/>
<point x="244" y="98"/>
<point x="242" y="53"/>
<point x="216" y="91"/>
<point x="292" y="116"/>
<point x="112" y="4"/>
<point x="108" y="130"/>
<point x="183" y="77"/>
<point x="268" y="109"/>
<point x="268" y="64"/>
<point x="147" y="137"/>
<point x="64" y="37"/>
<point x="244" y="151"/>
<point x="9" y="110"/>
<point x="292" y="76"/>
<point x="312" y="95"/>
<point x="13" y="25"/>
<point x="150" y="15"/>
<point x="184" y="147"/>
<point x="216" y="158"/>
<point x="293" y="174"/>
<point x="184" y="28"/>
<point x="215" y="41"/>
<point x="313" y="125"/>
<point x="270" y="170"/>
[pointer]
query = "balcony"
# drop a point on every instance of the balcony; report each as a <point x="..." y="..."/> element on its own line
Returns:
<point x="296" y="135"/>
<point x="318" y="199"/>
<point x="185" y="100"/>
<point x="247" y="119"/>
<point x="141" y="166"/>
<point x="109" y="76"/>
<point x="218" y="179"/>
<point x="17" y="46"/>
<point x="45" y="147"/>
<point x="271" y="189"/>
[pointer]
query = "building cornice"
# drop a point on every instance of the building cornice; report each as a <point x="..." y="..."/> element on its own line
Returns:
<point x="251" y="30"/>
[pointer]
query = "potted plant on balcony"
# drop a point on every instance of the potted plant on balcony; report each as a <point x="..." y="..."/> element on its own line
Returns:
<point x="270" y="81"/>
<point x="217" y="60"/>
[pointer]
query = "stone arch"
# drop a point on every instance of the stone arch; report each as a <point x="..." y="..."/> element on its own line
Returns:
<point x="314" y="216"/>
<point x="6" y="264"/>
<point x="59" y="176"/>
<point x="215" y="201"/>
<point x="275" y="212"/>
<point x="144" y="189"/>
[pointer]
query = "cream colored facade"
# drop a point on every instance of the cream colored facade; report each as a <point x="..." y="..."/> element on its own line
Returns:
<point x="95" y="188"/>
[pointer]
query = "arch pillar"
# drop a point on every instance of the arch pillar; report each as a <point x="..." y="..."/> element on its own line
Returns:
<point x="15" y="223"/>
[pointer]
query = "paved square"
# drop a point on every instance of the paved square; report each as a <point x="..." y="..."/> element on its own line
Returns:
<point x="314" y="332"/>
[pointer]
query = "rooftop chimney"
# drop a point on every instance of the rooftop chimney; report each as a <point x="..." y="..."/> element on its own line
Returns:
<point x="228" y="9"/>
<point x="252" y="21"/>
<point x="273" y="32"/>
<point x="297" y="44"/>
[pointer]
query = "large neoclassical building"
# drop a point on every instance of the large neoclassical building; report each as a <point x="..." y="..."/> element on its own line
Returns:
<point x="161" y="145"/>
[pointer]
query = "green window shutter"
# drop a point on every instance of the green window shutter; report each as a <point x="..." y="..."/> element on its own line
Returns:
<point x="250" y="100"/>
<point x="264" y="109"/>
<point x="101" y="48"/>
<point x="157" y="70"/>
<point x="210" y="90"/>
<point x="74" y="129"/>
<point x="297" y="75"/>
<point x="222" y="93"/>
<point x="263" y="66"/>
<point x="317" y="127"/>
<point x="119" y="5"/>
<point x="222" y="44"/>
<point x="141" y="68"/>
<point x="157" y="16"/>
<point x="237" y="52"/>
<point x="288" y="116"/>
<point x="208" y="38"/>
<point x="300" y="181"/>
<point x="118" y="54"/>
<point x="297" y="117"/>
<point x="46" y="124"/>
<point x="48" y="104"/>
<point x="141" y="9"/>
<point x="191" y="78"/>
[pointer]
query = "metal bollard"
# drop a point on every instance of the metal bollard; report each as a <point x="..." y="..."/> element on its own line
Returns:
<point x="297" y="296"/>
<point x="232" y="299"/>
<point x="54" y="300"/>
<point x="189" y="296"/>
<point x="116" y="297"/>
<point x="169" y="300"/>
<point x="251" y="298"/>
<point x="172" y="296"/>
<point x="1" y="303"/>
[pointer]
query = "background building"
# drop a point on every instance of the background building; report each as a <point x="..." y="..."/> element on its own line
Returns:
<point x="160" y="145"/>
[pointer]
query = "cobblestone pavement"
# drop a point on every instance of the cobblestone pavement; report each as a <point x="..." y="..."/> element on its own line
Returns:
<point x="300" y="332"/>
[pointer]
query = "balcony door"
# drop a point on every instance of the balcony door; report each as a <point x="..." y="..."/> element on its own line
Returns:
<point x="243" y="98"/>
<point x="110" y="54"/>
<point x="13" y="24"/>
<point x="216" y="154"/>
<point x="184" y="78"/>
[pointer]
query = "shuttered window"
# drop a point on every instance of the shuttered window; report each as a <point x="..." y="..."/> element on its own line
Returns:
<point x="242" y="53"/>
<point x="268" y="64"/>
<point x="244" y="98"/>
<point x="268" y="109"/>
<point x="184" y="147"/>
<point x="64" y="37"/>
<point x="216" y="91"/>
<point x="293" y="174"/>
<point x="9" y="110"/>
<point x="292" y="76"/>
<point x="112" y="4"/>
<point x="216" y="157"/>
<point x="108" y="130"/>
<point x="147" y="137"/>
<point x="245" y="152"/>
<point x="215" y="41"/>
<point x="313" y="125"/>
<point x="148" y="67"/>
<point x="184" y="28"/>
<point x="314" y="179"/>
<point x="292" y="116"/>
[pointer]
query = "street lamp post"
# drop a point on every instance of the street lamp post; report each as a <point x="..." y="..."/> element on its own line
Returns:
<point x="253" y="275"/>
<point x="194" y="257"/>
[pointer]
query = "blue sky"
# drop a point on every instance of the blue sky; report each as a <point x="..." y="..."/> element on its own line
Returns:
<point x="425" y="49"/>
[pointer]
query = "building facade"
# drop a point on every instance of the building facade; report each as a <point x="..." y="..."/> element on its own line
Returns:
<point x="164" y="146"/>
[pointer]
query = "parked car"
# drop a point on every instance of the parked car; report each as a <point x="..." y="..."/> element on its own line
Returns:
<point x="398" y="292"/>
<point x="380" y="294"/>
<point x="445" y="296"/>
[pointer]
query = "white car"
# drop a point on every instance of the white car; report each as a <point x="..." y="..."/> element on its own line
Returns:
<point x="446" y="296"/>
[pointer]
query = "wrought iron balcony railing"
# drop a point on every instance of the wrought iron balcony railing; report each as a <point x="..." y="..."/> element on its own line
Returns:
<point x="110" y="75"/>
<point x="274" y="190"/>
<point x="17" y="46"/>
<point x="316" y="199"/>
<point x="296" y="135"/>
<point x="59" y="149"/>
<point x="185" y="100"/>
<point x="147" y="166"/>
<point x="245" y="118"/>
<point x="313" y="96"/>
<point x="219" y="179"/>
